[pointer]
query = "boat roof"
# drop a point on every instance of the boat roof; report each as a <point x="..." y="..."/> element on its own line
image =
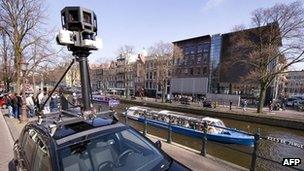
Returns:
<point x="138" y="108"/>
<point x="211" y="119"/>
<point x="175" y="114"/>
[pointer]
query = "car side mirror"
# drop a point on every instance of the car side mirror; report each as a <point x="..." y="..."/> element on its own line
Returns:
<point x="158" y="144"/>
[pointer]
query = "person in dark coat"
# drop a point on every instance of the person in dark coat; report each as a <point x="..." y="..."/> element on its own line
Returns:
<point x="15" y="105"/>
<point x="19" y="103"/>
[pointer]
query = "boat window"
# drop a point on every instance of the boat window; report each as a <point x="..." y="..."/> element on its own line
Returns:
<point x="220" y="123"/>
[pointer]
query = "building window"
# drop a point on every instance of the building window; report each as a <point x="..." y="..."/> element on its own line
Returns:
<point x="199" y="59"/>
<point x="192" y="49"/>
<point x="200" y="48"/>
<point x="206" y="47"/>
<point x="186" y="71"/>
<point x="186" y="50"/>
<point x="205" y="70"/>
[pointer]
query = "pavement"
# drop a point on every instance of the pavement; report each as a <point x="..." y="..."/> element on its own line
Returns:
<point x="10" y="129"/>
<point x="6" y="144"/>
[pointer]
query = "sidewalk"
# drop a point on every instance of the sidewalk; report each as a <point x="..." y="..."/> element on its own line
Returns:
<point x="6" y="144"/>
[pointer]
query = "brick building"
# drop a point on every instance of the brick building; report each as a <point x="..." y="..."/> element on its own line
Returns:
<point x="295" y="83"/>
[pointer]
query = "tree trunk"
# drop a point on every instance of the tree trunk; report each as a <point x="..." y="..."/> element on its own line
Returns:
<point x="164" y="87"/>
<point x="261" y="97"/>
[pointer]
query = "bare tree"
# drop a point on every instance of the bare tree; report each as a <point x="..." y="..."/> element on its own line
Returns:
<point x="272" y="46"/>
<point x="6" y="61"/>
<point x="163" y="53"/>
<point x="22" y="21"/>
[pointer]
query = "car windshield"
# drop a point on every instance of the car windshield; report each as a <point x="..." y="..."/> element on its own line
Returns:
<point x="122" y="150"/>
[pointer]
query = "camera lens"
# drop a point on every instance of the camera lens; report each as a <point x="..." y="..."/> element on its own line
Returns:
<point x="73" y="15"/>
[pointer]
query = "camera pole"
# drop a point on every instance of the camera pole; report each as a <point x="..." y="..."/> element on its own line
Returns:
<point x="82" y="58"/>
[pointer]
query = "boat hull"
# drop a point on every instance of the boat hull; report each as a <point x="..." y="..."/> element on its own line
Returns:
<point x="233" y="138"/>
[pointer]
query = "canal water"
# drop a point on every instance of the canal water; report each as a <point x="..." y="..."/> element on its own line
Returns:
<point x="235" y="153"/>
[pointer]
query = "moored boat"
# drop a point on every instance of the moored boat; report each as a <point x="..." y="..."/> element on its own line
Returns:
<point x="105" y="99"/>
<point x="190" y="126"/>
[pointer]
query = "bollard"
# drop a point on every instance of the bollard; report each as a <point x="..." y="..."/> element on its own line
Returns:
<point x="169" y="138"/>
<point x="255" y="149"/>
<point x="204" y="143"/>
<point x="145" y="123"/>
<point x="230" y="105"/>
<point x="126" y="116"/>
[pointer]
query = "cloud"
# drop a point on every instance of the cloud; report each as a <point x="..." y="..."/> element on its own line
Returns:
<point x="211" y="4"/>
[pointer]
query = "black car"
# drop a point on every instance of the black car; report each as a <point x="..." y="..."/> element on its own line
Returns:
<point x="67" y="142"/>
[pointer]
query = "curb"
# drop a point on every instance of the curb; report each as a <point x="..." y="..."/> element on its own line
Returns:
<point x="9" y="128"/>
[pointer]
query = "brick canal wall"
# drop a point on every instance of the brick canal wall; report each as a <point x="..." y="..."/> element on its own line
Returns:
<point x="273" y="120"/>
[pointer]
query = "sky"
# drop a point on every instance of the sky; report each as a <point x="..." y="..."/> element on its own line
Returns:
<point x="141" y="23"/>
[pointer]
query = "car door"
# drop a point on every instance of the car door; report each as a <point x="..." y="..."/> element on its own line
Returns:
<point x="41" y="160"/>
<point x="27" y="150"/>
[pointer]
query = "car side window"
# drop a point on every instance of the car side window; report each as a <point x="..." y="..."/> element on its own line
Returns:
<point x="42" y="157"/>
<point x="36" y="151"/>
<point x="29" y="145"/>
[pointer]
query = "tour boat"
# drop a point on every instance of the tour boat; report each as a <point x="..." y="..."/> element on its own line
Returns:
<point x="104" y="99"/>
<point x="190" y="126"/>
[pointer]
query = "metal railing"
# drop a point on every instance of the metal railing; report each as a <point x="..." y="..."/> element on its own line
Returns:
<point x="255" y="148"/>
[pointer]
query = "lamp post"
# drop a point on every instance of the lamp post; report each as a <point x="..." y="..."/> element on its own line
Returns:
<point x="23" y="117"/>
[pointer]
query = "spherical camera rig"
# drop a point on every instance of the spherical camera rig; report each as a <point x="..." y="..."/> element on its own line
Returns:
<point x="79" y="34"/>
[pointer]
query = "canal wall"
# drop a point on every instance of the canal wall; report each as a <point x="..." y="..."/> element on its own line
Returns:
<point x="273" y="120"/>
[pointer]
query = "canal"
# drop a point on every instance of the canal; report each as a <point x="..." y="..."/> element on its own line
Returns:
<point x="266" y="149"/>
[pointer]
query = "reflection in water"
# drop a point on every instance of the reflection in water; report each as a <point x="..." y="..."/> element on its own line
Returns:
<point x="267" y="149"/>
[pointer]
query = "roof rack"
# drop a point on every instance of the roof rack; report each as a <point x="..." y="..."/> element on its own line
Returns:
<point x="55" y="120"/>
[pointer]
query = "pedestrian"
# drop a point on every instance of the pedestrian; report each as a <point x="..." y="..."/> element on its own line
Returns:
<point x="75" y="100"/>
<point x="14" y="105"/>
<point x="40" y="97"/>
<point x="230" y="105"/>
<point x="19" y="104"/>
<point x="9" y="105"/>
<point x="54" y="103"/>
<point x="245" y="105"/>
<point x="270" y="106"/>
<point x="30" y="105"/>
<point x="46" y="108"/>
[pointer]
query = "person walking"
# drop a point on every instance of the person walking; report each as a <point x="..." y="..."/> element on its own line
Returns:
<point x="245" y="105"/>
<point x="15" y="105"/>
<point x="9" y="105"/>
<point x="46" y="108"/>
<point x="54" y="103"/>
<point x="270" y="106"/>
<point x="30" y="105"/>
<point x="40" y="97"/>
<point x="19" y="104"/>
